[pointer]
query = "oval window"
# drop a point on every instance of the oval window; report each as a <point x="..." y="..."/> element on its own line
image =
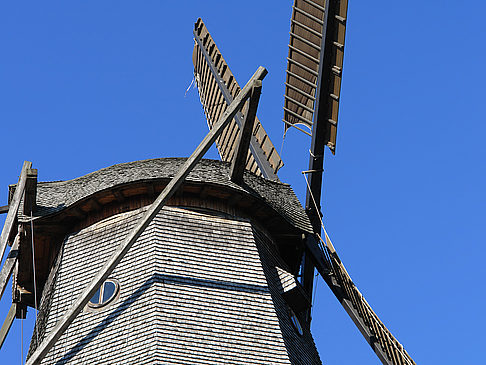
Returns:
<point x="296" y="323"/>
<point x="105" y="294"/>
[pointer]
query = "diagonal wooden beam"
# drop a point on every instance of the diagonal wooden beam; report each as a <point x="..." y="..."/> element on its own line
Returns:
<point x="156" y="206"/>
<point x="13" y="208"/>
<point x="7" y="323"/>
<point x="9" y="265"/>
<point x="239" y="159"/>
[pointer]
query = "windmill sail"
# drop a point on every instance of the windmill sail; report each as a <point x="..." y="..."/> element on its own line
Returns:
<point x="217" y="88"/>
<point x="312" y="92"/>
<point x="313" y="82"/>
<point x="388" y="349"/>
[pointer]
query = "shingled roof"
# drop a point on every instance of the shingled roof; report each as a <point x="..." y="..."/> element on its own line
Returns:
<point x="53" y="197"/>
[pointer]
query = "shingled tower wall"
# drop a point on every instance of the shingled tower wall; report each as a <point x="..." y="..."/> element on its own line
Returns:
<point x="209" y="282"/>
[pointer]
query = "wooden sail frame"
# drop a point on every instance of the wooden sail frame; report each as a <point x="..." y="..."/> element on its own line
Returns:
<point x="217" y="88"/>
<point x="314" y="68"/>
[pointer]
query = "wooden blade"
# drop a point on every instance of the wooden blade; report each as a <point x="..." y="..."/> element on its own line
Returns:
<point x="381" y="340"/>
<point x="314" y="68"/>
<point x="217" y="88"/>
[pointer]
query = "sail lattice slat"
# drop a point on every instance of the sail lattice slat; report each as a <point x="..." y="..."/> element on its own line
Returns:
<point x="388" y="348"/>
<point x="313" y="81"/>
<point x="216" y="93"/>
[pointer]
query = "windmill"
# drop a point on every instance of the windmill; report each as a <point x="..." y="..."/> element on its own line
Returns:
<point x="241" y="141"/>
<point x="311" y="105"/>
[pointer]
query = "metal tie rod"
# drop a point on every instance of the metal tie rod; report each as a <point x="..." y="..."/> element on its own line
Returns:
<point x="137" y="231"/>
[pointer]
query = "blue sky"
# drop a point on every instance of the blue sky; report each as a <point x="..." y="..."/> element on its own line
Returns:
<point x="87" y="84"/>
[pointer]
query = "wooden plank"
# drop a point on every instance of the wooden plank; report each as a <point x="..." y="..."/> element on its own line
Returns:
<point x="239" y="160"/>
<point x="157" y="205"/>
<point x="9" y="265"/>
<point x="7" y="323"/>
<point x="3" y="209"/>
<point x="13" y="208"/>
<point x="30" y="192"/>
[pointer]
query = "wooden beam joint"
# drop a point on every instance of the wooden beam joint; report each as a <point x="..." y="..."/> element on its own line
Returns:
<point x="239" y="160"/>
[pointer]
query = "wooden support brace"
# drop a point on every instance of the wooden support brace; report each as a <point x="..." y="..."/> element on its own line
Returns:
<point x="30" y="192"/>
<point x="13" y="208"/>
<point x="3" y="209"/>
<point x="308" y="279"/>
<point x="137" y="231"/>
<point x="9" y="265"/>
<point x="7" y="323"/>
<point x="239" y="160"/>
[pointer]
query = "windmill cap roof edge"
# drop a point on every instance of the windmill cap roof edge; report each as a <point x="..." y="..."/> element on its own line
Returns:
<point x="53" y="197"/>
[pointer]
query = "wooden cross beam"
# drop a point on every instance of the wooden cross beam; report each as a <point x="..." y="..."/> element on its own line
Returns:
<point x="241" y="153"/>
<point x="136" y="232"/>
<point x="13" y="208"/>
<point x="7" y="323"/>
<point x="9" y="265"/>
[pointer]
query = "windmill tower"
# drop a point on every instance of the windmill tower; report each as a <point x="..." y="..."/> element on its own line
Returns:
<point x="189" y="260"/>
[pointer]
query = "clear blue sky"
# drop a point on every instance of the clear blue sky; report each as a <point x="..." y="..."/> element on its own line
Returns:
<point x="87" y="84"/>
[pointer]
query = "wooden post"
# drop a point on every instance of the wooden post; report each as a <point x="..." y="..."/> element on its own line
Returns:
<point x="156" y="206"/>
<point x="7" y="323"/>
<point x="30" y="192"/>
<point x="241" y="153"/>
<point x="13" y="208"/>
<point x="9" y="265"/>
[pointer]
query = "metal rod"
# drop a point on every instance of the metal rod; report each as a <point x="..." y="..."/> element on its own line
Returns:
<point x="294" y="126"/>
<point x="136" y="232"/>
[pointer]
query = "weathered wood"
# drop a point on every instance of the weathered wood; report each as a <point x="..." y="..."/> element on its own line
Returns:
<point x="9" y="265"/>
<point x="239" y="159"/>
<point x="157" y="205"/>
<point x="7" y="323"/>
<point x="215" y="80"/>
<point x="383" y="343"/>
<point x="96" y="204"/>
<point x="3" y="209"/>
<point x="30" y="192"/>
<point x="118" y="195"/>
<point x="13" y="208"/>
